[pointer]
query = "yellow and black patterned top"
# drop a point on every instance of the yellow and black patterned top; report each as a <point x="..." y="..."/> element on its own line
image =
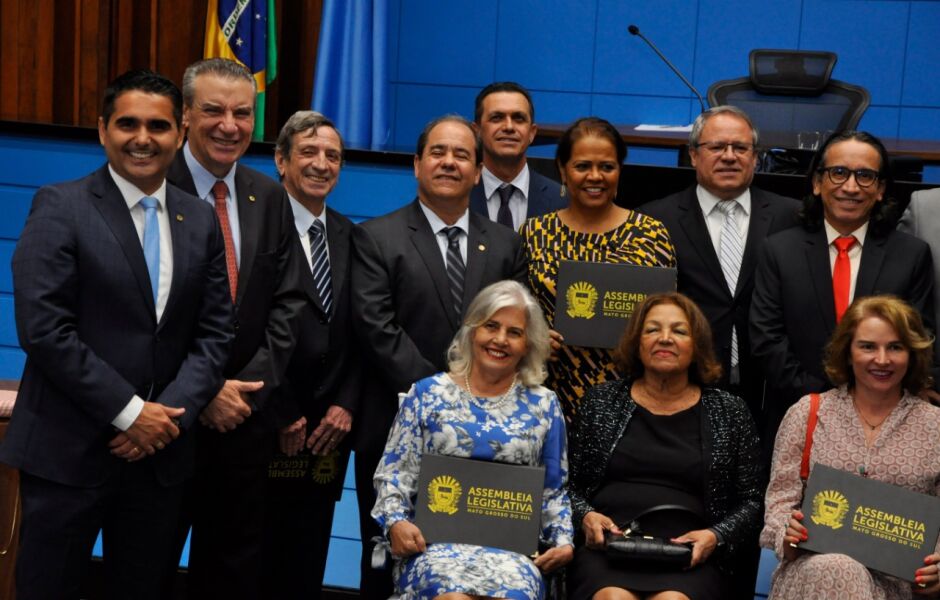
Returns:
<point x="640" y="240"/>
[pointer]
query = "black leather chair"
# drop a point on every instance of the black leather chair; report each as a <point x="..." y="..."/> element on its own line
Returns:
<point x="791" y="91"/>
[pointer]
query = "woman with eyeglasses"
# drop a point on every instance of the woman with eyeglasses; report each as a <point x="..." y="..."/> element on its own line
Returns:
<point x="846" y="249"/>
<point x="592" y="228"/>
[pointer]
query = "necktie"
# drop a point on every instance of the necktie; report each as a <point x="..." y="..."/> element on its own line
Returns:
<point x="220" y="192"/>
<point x="730" y="251"/>
<point x="842" y="275"/>
<point x="320" y="261"/>
<point x="455" y="268"/>
<point x="504" y="216"/>
<point x="152" y="243"/>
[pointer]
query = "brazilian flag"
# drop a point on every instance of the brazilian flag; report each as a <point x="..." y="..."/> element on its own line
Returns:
<point x="243" y="30"/>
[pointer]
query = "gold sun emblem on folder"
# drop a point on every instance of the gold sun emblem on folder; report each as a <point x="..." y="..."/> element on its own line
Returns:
<point x="829" y="509"/>
<point x="443" y="493"/>
<point x="325" y="468"/>
<point x="582" y="297"/>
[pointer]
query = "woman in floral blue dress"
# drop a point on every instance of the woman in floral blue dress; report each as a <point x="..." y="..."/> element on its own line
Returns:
<point x="489" y="406"/>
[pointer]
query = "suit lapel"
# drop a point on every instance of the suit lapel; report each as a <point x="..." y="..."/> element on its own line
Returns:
<point x="478" y="199"/>
<point x="477" y="252"/>
<point x="873" y="256"/>
<point x="696" y="230"/>
<point x="337" y="236"/>
<point x="535" y="203"/>
<point x="180" y="176"/>
<point x="430" y="252"/>
<point x="181" y="248"/>
<point x="817" y="259"/>
<point x="110" y="203"/>
<point x="757" y="228"/>
<point x="249" y="224"/>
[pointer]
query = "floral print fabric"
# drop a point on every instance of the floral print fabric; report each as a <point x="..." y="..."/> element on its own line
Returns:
<point x="437" y="417"/>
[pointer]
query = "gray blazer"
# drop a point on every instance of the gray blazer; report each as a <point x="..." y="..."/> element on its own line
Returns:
<point x="922" y="219"/>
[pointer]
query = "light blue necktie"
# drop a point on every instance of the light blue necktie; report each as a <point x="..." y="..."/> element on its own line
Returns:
<point x="152" y="243"/>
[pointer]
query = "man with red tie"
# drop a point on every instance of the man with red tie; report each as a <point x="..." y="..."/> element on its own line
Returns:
<point x="847" y="248"/>
<point x="235" y="443"/>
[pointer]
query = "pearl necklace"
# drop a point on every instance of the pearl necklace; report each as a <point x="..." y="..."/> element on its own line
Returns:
<point x="496" y="404"/>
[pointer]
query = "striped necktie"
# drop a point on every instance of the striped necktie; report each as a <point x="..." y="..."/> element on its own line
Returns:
<point x="320" y="261"/>
<point x="730" y="251"/>
<point x="455" y="268"/>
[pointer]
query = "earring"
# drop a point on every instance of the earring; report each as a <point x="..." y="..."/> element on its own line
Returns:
<point x="563" y="191"/>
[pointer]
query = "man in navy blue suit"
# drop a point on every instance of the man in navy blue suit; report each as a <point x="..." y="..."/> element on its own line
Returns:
<point x="120" y="288"/>
<point x="509" y="192"/>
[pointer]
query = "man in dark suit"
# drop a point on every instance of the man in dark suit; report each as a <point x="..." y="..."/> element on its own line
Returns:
<point x="723" y="150"/>
<point x="314" y="410"/>
<point x="509" y="192"/>
<point x="414" y="272"/>
<point x="264" y="265"/>
<point x="119" y="286"/>
<point x="847" y="248"/>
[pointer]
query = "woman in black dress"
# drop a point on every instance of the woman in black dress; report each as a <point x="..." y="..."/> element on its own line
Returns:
<point x="661" y="436"/>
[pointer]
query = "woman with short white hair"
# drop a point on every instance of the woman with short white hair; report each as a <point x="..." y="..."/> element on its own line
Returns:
<point x="490" y="406"/>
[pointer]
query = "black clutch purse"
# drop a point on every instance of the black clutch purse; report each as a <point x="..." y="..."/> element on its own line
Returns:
<point x="633" y="548"/>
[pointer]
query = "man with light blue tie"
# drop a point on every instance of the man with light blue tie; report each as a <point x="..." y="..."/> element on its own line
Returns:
<point x="119" y="287"/>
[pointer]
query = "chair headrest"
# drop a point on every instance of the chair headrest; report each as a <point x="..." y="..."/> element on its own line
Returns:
<point x="791" y="72"/>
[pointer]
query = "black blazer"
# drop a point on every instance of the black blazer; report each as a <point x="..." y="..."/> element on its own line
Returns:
<point x="268" y="298"/>
<point x="402" y="310"/>
<point x="544" y="197"/>
<point x="85" y="317"/>
<point x="324" y="369"/>
<point x="701" y="279"/>
<point x="793" y="311"/>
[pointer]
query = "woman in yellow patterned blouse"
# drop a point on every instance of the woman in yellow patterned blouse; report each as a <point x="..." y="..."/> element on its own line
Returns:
<point x="592" y="228"/>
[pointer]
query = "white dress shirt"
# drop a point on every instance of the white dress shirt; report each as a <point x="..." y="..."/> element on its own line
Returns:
<point x="132" y="196"/>
<point x="715" y="219"/>
<point x="438" y="226"/>
<point x="518" y="202"/>
<point x="303" y="221"/>
<point x="204" y="180"/>
<point x="855" y="252"/>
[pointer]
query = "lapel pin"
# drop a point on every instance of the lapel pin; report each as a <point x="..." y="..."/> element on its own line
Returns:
<point x="251" y="198"/>
<point x="179" y="217"/>
<point x="481" y="247"/>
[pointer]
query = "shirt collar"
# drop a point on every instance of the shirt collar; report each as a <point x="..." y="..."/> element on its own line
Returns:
<point x="437" y="224"/>
<point x="203" y="179"/>
<point x="303" y="218"/>
<point x="492" y="182"/>
<point x="709" y="201"/>
<point x="832" y="234"/>
<point x="132" y="194"/>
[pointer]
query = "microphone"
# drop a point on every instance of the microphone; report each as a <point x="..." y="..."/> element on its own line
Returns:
<point x="634" y="30"/>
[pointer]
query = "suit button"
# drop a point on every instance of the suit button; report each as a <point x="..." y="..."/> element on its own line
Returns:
<point x="323" y="321"/>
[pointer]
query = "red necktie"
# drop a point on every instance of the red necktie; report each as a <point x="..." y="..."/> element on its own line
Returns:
<point x="220" y="192"/>
<point x="842" y="275"/>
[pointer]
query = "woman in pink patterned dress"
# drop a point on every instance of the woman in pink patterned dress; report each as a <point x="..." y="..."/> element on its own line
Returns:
<point x="873" y="424"/>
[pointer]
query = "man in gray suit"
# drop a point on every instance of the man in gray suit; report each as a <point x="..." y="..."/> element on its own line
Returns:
<point x="922" y="220"/>
<point x="508" y="191"/>
<point x="406" y="307"/>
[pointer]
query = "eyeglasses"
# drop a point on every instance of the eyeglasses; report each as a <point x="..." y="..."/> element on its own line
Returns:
<point x="717" y="148"/>
<point x="839" y="175"/>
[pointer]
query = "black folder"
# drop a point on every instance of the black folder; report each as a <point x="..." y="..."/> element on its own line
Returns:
<point x="479" y="502"/>
<point x="885" y="527"/>
<point x="594" y="301"/>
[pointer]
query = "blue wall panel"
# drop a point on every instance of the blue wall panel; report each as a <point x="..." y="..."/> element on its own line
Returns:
<point x="921" y="81"/>
<point x="7" y="322"/>
<point x="869" y="37"/>
<point x="626" y="65"/>
<point x="881" y="121"/>
<point x="14" y="207"/>
<point x="920" y="123"/>
<point x="450" y="42"/>
<point x="11" y="363"/>
<point x="546" y="44"/>
<point x="419" y="103"/>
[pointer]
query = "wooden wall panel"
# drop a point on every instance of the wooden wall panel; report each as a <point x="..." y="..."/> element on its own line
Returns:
<point x="57" y="56"/>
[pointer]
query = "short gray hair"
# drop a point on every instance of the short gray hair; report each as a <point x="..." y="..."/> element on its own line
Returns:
<point x="220" y="67"/>
<point x="299" y="122"/>
<point x="491" y="299"/>
<point x="724" y="109"/>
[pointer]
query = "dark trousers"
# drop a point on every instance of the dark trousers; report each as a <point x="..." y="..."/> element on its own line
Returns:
<point x="224" y="503"/>
<point x="374" y="584"/>
<point x="60" y="523"/>
<point x="301" y="497"/>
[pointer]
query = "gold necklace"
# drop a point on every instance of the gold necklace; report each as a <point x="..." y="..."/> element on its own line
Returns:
<point x="866" y="421"/>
